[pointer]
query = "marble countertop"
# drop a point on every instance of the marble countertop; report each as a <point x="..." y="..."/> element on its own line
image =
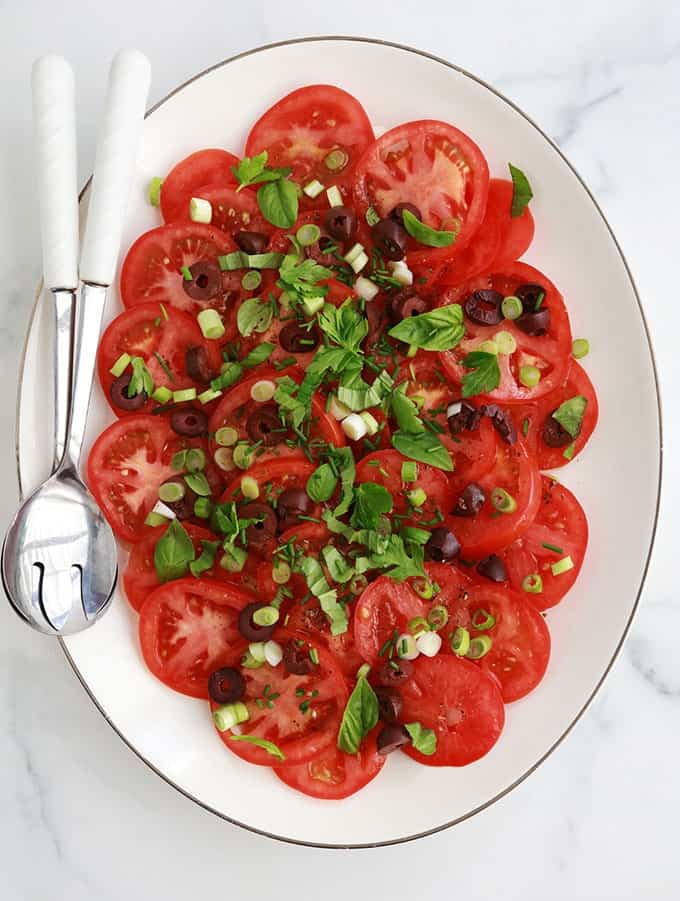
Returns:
<point x="80" y="816"/>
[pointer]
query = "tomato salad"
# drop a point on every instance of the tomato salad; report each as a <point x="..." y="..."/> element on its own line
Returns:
<point x="336" y="389"/>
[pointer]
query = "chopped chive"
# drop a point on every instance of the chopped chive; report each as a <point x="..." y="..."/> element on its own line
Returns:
<point x="552" y="547"/>
<point x="164" y="312"/>
<point x="164" y="366"/>
<point x="314" y="656"/>
<point x="186" y="272"/>
<point x="299" y="692"/>
<point x="304" y="706"/>
<point x="525" y="427"/>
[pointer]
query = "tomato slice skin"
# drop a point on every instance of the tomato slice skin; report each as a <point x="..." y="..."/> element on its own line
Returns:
<point x="550" y="352"/>
<point x="204" y="167"/>
<point x="232" y="210"/>
<point x="383" y="610"/>
<point x="301" y="736"/>
<point x="189" y="628"/>
<point x="517" y="232"/>
<point x="383" y="467"/>
<point x="460" y="702"/>
<point x="335" y="775"/>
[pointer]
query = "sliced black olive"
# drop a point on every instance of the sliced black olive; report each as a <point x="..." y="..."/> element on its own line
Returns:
<point x="249" y="629"/>
<point x="118" y="392"/>
<point x="502" y="421"/>
<point x="260" y="533"/>
<point x="391" y="737"/>
<point x="189" y="421"/>
<point x="484" y="307"/>
<point x="391" y="239"/>
<point x="530" y="294"/>
<point x="389" y="703"/>
<point x="296" y="660"/>
<point x="467" y="419"/>
<point x="226" y="685"/>
<point x="404" y="304"/>
<point x="205" y="282"/>
<point x="297" y="339"/>
<point x="341" y="223"/>
<point x="554" y="434"/>
<point x="442" y="545"/>
<point x="264" y="424"/>
<point x="184" y="507"/>
<point x="251" y="242"/>
<point x="292" y="504"/>
<point x="197" y="366"/>
<point x="395" y="672"/>
<point x="493" y="568"/>
<point x="534" y="324"/>
<point x="398" y="212"/>
<point x="470" y="500"/>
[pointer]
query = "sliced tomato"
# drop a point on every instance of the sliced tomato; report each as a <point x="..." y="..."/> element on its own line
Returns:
<point x="189" y="628"/>
<point x="272" y="477"/>
<point x="433" y="166"/>
<point x="382" y="613"/>
<point x="335" y="775"/>
<point x="473" y="451"/>
<point x="127" y="464"/>
<point x="532" y="418"/>
<point x="384" y="468"/>
<point x="152" y="269"/>
<point x="305" y="126"/>
<point x="517" y="232"/>
<point x="460" y="702"/>
<point x="560" y="530"/>
<point x="205" y="167"/>
<point x="515" y="472"/>
<point x="232" y="210"/>
<point x="300" y="714"/>
<point x="550" y="353"/>
<point x="161" y="337"/>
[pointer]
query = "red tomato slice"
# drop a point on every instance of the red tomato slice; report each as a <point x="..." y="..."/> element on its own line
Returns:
<point x="382" y="613"/>
<point x="531" y="419"/>
<point x="272" y="477"/>
<point x="460" y="702"/>
<point x="335" y="775"/>
<point x="515" y="472"/>
<point x="205" y="167"/>
<point x="434" y="166"/>
<point x="384" y="468"/>
<point x="152" y="270"/>
<point x="127" y="464"/>
<point x="517" y="231"/>
<point x="232" y="210"/>
<point x="560" y="530"/>
<point x="300" y="734"/>
<point x="473" y="451"/>
<point x="550" y="353"/>
<point x="189" y="628"/>
<point x="305" y="126"/>
<point x="144" y="331"/>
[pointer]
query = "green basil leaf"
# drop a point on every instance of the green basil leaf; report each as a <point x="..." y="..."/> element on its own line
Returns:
<point x="405" y="412"/>
<point x="338" y="568"/>
<point x="422" y="739"/>
<point x="173" y="553"/>
<point x="258" y="355"/>
<point x="263" y="743"/>
<point x="484" y="376"/>
<point x="322" y="483"/>
<point x="360" y="716"/>
<point x="371" y="501"/>
<point x="198" y="483"/>
<point x="439" y="329"/>
<point x="252" y="170"/>
<point x="255" y="315"/>
<point x="426" y="235"/>
<point x="278" y="202"/>
<point x="521" y="191"/>
<point x="365" y="396"/>
<point x="231" y="372"/>
<point x="207" y="559"/>
<point x="423" y="447"/>
<point x="570" y="414"/>
<point x="327" y="597"/>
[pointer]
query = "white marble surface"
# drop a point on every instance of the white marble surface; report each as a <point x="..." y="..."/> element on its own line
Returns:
<point x="80" y="816"/>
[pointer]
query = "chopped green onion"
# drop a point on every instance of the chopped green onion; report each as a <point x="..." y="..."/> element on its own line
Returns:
<point x="179" y="397"/>
<point x="234" y="260"/>
<point x="251" y="280"/>
<point x="502" y="501"/>
<point x="224" y="458"/>
<point x="263" y="391"/>
<point x="313" y="188"/>
<point x="264" y="260"/>
<point x="358" y="584"/>
<point x="186" y="272"/>
<point x="460" y="642"/>
<point x="580" y="348"/>
<point x="529" y="376"/>
<point x="209" y="395"/>
<point x="234" y="559"/>
<point x="198" y="483"/>
<point x="314" y="656"/>
<point x="178" y="461"/>
<point x="479" y="647"/>
<point x="171" y="492"/>
<point x="257" y="651"/>
<point x="248" y="661"/>
<point x="266" y="616"/>
<point x="308" y="234"/>
<point x="200" y="210"/>
<point x="552" y="547"/>
<point x="354" y="251"/>
<point x="416" y="497"/>
<point x="203" y="507"/>
<point x="372" y="216"/>
<point x="211" y="323"/>
<point x="481" y="620"/>
<point x="226" y="436"/>
<point x="406" y="647"/>
<point x="281" y="572"/>
<point x="120" y="365"/>
<point x="562" y="566"/>
<point x="512" y="307"/>
<point x="423" y="588"/>
<point x="334" y="196"/>
<point x="372" y="425"/>
<point x="505" y="341"/>
<point x="230" y="715"/>
<point x="438" y="617"/>
<point x="488" y="347"/>
<point x="249" y="488"/>
<point x="196" y="459"/>
<point x="336" y="159"/>
<point x="365" y="288"/>
<point x="154" y="520"/>
<point x="418" y="626"/>
<point x="409" y="471"/>
<point x="154" y="191"/>
<point x="313" y="305"/>
<point x="532" y="583"/>
<point x="162" y="394"/>
<point x="525" y="427"/>
<point x="359" y="262"/>
<point x="241" y="456"/>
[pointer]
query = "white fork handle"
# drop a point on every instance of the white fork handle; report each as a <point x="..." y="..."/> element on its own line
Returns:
<point x="114" y="165"/>
<point x="54" y="117"/>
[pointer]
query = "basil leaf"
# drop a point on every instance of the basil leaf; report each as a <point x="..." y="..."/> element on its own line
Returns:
<point x="424" y="447"/>
<point x="255" y="315"/>
<point x="439" y="329"/>
<point x="141" y="380"/>
<point x="405" y="412"/>
<point x="231" y="372"/>
<point x="327" y="597"/>
<point x="322" y="483"/>
<point x="338" y="568"/>
<point x="570" y="414"/>
<point x="370" y="502"/>
<point x="366" y="396"/>
<point x="258" y="355"/>
<point x="426" y="235"/>
<point x="422" y="739"/>
<point x="485" y="374"/>
<point x="263" y="743"/>
<point x="198" y="483"/>
<point x="359" y="717"/>
<point x="521" y="191"/>
<point x="344" y="460"/>
<point x="251" y="170"/>
<point x="278" y="202"/>
<point x="207" y="559"/>
<point x="173" y="553"/>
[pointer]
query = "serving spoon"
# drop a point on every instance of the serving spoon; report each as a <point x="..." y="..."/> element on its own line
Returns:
<point x="59" y="560"/>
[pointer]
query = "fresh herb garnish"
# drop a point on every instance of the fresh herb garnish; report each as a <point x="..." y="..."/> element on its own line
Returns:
<point x="165" y="366"/>
<point x="371" y="501"/>
<point x="439" y="329"/>
<point x="424" y="447"/>
<point x="278" y="202"/>
<point x="570" y="414"/>
<point x="360" y="715"/>
<point x="327" y="597"/>
<point x="485" y="374"/>
<point x="426" y="235"/>
<point x="422" y="739"/>
<point x="258" y="355"/>
<point x="521" y="191"/>
<point x="207" y="559"/>
<point x="552" y="547"/>
<point x="173" y="553"/>
<point x="322" y="483"/>
<point x="256" y="314"/>
<point x="263" y="743"/>
<point x="254" y="170"/>
<point x="141" y="380"/>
